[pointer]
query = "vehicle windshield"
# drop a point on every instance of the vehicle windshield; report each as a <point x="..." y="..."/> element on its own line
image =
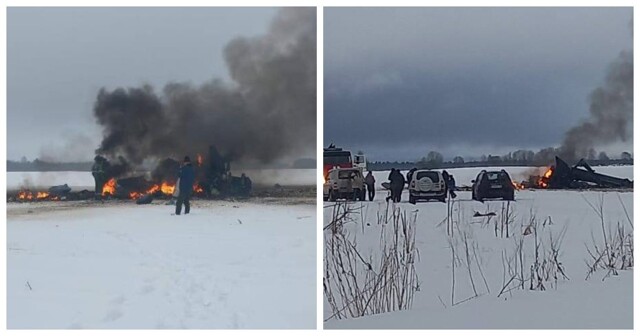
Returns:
<point x="430" y="174"/>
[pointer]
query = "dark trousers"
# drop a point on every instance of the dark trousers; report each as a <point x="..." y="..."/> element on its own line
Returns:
<point x="398" y="195"/>
<point x="372" y="192"/>
<point x="451" y="191"/>
<point x="183" y="198"/>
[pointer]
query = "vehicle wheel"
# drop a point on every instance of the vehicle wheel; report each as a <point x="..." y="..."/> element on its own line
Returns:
<point x="510" y="197"/>
<point x="363" y="195"/>
<point x="412" y="200"/>
<point x="443" y="199"/>
<point x="325" y="198"/>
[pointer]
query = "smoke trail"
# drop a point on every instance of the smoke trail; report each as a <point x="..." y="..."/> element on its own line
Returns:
<point x="267" y="112"/>
<point x="610" y="112"/>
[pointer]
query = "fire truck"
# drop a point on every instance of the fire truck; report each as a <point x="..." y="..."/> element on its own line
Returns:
<point x="338" y="158"/>
<point x="335" y="157"/>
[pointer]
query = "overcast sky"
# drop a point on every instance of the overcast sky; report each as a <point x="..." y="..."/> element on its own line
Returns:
<point x="58" y="59"/>
<point x="401" y="82"/>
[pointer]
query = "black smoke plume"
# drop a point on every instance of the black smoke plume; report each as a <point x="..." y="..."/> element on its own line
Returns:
<point x="267" y="112"/>
<point x="610" y="112"/>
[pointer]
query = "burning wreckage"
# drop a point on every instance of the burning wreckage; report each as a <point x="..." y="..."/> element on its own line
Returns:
<point x="580" y="176"/>
<point x="213" y="180"/>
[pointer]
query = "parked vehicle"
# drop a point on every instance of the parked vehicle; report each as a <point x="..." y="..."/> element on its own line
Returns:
<point x="335" y="157"/>
<point x="344" y="183"/>
<point x="426" y="185"/>
<point x="491" y="185"/>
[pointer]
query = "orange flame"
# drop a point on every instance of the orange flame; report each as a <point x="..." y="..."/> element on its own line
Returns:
<point x="167" y="188"/>
<point x="25" y="195"/>
<point x="517" y="186"/>
<point x="153" y="189"/>
<point x="109" y="188"/>
<point x="197" y="189"/>
<point x="543" y="182"/>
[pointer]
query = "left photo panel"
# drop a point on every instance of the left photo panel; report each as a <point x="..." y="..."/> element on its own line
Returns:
<point x="161" y="168"/>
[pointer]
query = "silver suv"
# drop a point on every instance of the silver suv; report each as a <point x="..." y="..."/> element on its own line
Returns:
<point x="427" y="184"/>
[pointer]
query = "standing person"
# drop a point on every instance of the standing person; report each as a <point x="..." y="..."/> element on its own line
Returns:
<point x="410" y="174"/>
<point x="450" y="183"/>
<point x="399" y="185"/>
<point x="99" y="172"/>
<point x="392" y="188"/>
<point x="396" y="184"/>
<point x="186" y="177"/>
<point x="370" y="181"/>
<point x="445" y="178"/>
<point x="452" y="186"/>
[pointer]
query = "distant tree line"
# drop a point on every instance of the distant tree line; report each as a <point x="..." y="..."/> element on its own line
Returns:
<point x="544" y="157"/>
<point x="39" y="165"/>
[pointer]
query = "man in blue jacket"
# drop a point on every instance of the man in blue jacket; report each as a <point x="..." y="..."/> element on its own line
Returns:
<point x="187" y="176"/>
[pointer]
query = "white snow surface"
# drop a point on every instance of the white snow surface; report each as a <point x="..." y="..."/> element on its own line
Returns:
<point x="575" y="304"/>
<point x="122" y="266"/>
<point x="84" y="180"/>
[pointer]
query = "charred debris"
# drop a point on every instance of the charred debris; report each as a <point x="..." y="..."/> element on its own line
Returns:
<point x="579" y="176"/>
<point x="213" y="181"/>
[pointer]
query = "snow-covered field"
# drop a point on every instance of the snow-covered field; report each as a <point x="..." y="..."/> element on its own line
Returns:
<point x="118" y="265"/>
<point x="84" y="180"/>
<point x="574" y="303"/>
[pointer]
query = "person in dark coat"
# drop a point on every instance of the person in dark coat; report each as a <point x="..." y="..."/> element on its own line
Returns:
<point x="400" y="186"/>
<point x="450" y="183"/>
<point x="410" y="174"/>
<point x="452" y="186"/>
<point x="392" y="195"/>
<point x="397" y="184"/>
<point x="187" y="176"/>
<point x="370" y="181"/>
<point x="445" y="177"/>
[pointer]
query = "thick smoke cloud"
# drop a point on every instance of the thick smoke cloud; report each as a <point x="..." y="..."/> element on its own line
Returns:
<point x="266" y="113"/>
<point x="610" y="112"/>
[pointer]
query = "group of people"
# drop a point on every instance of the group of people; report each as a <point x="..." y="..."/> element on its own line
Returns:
<point x="397" y="182"/>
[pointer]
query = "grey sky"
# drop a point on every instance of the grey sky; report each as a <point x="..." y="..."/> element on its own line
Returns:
<point x="400" y="82"/>
<point x="58" y="59"/>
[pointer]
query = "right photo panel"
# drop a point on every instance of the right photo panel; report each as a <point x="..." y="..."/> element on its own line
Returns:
<point x="478" y="168"/>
